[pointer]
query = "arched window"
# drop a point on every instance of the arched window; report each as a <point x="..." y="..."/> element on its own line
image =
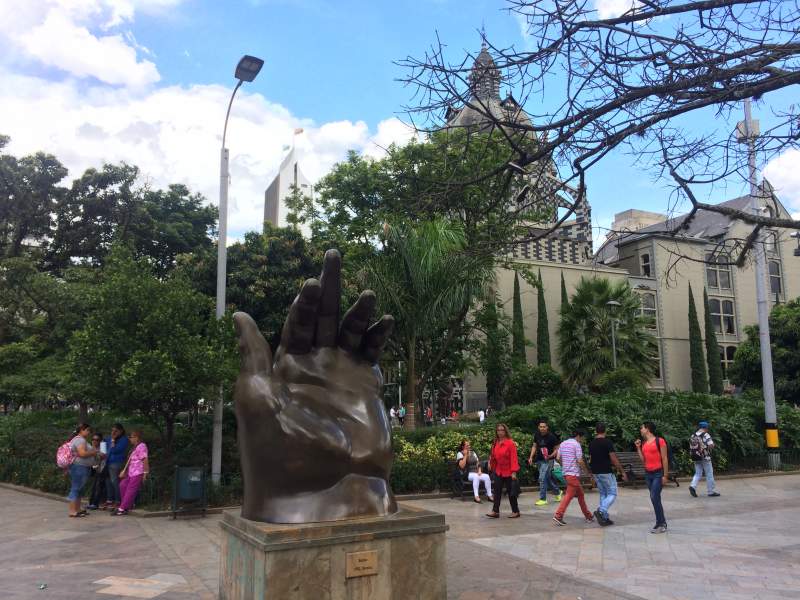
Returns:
<point x="726" y="354"/>
<point x="722" y="316"/>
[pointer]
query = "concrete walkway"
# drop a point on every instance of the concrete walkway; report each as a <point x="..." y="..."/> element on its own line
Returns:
<point x="741" y="545"/>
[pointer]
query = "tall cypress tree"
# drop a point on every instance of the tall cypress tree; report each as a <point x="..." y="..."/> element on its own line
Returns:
<point x="542" y="330"/>
<point x="517" y="329"/>
<point x="494" y="349"/>
<point x="564" y="297"/>
<point x="712" y="351"/>
<point x="696" y="359"/>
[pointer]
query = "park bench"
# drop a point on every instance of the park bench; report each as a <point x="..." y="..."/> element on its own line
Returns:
<point x="634" y="468"/>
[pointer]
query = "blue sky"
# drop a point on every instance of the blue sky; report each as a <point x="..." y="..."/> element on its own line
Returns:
<point x="146" y="81"/>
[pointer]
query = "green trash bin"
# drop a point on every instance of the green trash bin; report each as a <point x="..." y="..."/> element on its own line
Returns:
<point x="189" y="490"/>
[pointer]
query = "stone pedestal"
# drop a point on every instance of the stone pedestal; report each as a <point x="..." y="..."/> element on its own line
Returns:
<point x="401" y="557"/>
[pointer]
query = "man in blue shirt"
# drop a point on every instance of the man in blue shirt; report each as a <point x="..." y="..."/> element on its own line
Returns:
<point x="117" y="447"/>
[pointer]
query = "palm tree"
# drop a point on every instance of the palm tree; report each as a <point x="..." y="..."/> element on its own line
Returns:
<point x="584" y="333"/>
<point x="429" y="284"/>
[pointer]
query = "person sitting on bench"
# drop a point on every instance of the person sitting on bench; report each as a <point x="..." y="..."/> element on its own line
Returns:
<point x="469" y="461"/>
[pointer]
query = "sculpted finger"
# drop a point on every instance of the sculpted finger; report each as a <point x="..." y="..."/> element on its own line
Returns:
<point x="376" y="337"/>
<point x="297" y="336"/>
<point x="253" y="348"/>
<point x="356" y="320"/>
<point x="330" y="298"/>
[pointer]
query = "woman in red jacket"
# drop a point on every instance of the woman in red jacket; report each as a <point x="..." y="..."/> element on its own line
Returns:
<point x="503" y="465"/>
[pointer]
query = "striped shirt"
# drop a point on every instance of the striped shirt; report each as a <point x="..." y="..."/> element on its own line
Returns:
<point x="570" y="452"/>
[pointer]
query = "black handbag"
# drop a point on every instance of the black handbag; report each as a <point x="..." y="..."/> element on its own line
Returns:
<point x="516" y="489"/>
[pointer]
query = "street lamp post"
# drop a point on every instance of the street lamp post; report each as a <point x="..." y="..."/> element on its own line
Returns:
<point x="748" y="132"/>
<point x="246" y="70"/>
<point x="614" y="305"/>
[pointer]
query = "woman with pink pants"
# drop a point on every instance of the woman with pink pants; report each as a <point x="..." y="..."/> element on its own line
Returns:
<point x="134" y="472"/>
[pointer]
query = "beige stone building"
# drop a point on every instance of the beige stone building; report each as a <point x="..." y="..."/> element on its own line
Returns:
<point x="660" y="267"/>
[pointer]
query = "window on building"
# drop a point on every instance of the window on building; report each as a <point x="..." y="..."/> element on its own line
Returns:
<point x="648" y="309"/>
<point x="718" y="272"/>
<point x="771" y="242"/>
<point x="775" y="283"/>
<point x="722" y="316"/>
<point x="726" y="354"/>
<point x="658" y="361"/>
<point x="645" y="264"/>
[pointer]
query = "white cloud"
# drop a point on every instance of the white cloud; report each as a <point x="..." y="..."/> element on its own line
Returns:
<point x="174" y="133"/>
<point x="81" y="38"/>
<point x="783" y="172"/>
<point x="608" y="9"/>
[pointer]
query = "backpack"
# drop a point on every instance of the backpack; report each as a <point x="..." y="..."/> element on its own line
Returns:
<point x="697" y="447"/>
<point x="64" y="455"/>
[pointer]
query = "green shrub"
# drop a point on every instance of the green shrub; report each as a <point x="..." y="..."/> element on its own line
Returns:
<point x="532" y="383"/>
<point x="620" y="380"/>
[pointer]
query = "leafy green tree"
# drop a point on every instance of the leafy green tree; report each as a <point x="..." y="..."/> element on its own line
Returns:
<point x="150" y="345"/>
<point x="532" y="383"/>
<point x="518" y="329"/>
<point x="584" y="333"/>
<point x="29" y="191"/>
<point x="429" y="284"/>
<point x="494" y="350"/>
<point x="542" y="328"/>
<point x="107" y="206"/>
<point x="712" y="351"/>
<point x="564" y="296"/>
<point x="697" y="361"/>
<point x="265" y="272"/>
<point x="784" y="331"/>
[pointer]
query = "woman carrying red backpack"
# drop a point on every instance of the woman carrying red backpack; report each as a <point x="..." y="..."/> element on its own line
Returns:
<point x="81" y="467"/>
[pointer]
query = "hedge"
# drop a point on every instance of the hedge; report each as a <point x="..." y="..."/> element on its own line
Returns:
<point x="28" y="442"/>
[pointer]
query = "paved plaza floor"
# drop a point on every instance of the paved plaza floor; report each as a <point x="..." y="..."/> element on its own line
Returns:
<point x="744" y="544"/>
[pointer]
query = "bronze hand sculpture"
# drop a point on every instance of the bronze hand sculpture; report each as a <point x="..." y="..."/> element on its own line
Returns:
<point x="314" y="437"/>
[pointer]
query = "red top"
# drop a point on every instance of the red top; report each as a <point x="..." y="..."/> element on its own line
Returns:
<point x="503" y="460"/>
<point x="652" y="454"/>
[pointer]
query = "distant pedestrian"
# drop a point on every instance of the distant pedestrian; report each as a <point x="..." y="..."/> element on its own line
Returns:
<point x="653" y="452"/>
<point x="429" y="416"/>
<point x="481" y="415"/>
<point x="469" y="461"/>
<point x="393" y="417"/>
<point x="700" y="447"/>
<point x="543" y="453"/>
<point x="99" y="473"/>
<point x="81" y="467"/>
<point x="117" y="444"/>
<point x="504" y="466"/>
<point x="401" y="415"/>
<point x="602" y="458"/>
<point x="133" y="473"/>
<point x="570" y="455"/>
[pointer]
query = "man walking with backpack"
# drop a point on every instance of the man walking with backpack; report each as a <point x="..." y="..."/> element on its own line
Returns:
<point x="700" y="446"/>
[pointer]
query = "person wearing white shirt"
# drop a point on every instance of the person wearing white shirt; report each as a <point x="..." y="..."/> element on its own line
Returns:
<point x="469" y="461"/>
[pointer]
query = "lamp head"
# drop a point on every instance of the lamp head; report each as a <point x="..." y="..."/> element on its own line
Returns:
<point x="248" y="68"/>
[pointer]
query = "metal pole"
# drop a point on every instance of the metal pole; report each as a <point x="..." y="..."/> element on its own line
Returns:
<point x="222" y="260"/>
<point x="770" y="413"/>
<point x="614" y="341"/>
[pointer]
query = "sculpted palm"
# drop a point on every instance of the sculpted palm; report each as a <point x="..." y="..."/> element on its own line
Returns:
<point x="314" y="438"/>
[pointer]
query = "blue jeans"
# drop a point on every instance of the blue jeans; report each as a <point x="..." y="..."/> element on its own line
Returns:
<point x="607" y="486"/>
<point x="78" y="475"/>
<point x="546" y="478"/>
<point x="112" y="483"/>
<point x="654" y="484"/>
<point x="701" y="467"/>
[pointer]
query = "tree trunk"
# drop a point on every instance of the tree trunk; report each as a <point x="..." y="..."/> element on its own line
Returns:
<point x="83" y="411"/>
<point x="411" y="387"/>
